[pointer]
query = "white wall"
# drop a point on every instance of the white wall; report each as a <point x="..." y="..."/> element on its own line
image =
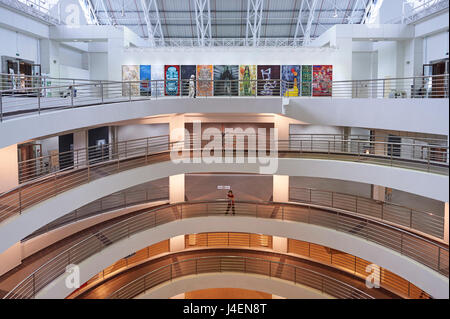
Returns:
<point x="436" y="47"/>
<point x="130" y="132"/>
<point x="9" y="169"/>
<point x="14" y="42"/>
<point x="98" y="66"/>
<point x="314" y="129"/>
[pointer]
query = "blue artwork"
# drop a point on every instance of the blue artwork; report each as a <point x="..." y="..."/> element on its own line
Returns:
<point x="290" y="76"/>
<point x="172" y="75"/>
<point x="145" y="76"/>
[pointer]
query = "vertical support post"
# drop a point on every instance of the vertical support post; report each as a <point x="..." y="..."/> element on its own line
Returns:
<point x="101" y="91"/>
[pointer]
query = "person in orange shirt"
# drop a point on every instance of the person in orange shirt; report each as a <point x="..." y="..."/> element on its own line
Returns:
<point x="230" y="202"/>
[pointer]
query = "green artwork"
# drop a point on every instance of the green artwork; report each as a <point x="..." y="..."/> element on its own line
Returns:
<point x="306" y="89"/>
<point x="306" y="73"/>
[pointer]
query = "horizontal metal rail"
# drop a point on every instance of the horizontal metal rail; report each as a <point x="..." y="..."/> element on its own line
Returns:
<point x="40" y="181"/>
<point x="240" y="264"/>
<point x="22" y="96"/>
<point x="424" y="251"/>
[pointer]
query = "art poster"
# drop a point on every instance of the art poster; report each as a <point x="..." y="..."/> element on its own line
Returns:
<point x="290" y="76"/>
<point x="204" y="80"/>
<point x="172" y="80"/>
<point x="306" y="86"/>
<point x="157" y="80"/>
<point x="226" y="80"/>
<point x="268" y="80"/>
<point x="247" y="80"/>
<point x="145" y="76"/>
<point x="130" y="73"/>
<point x="186" y="72"/>
<point x="322" y="77"/>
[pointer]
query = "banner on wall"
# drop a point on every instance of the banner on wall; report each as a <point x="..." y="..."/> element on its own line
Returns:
<point x="186" y="72"/>
<point x="322" y="77"/>
<point x="130" y="73"/>
<point x="247" y="80"/>
<point x="157" y="74"/>
<point x="268" y="80"/>
<point x="171" y="80"/>
<point x="204" y="80"/>
<point x="226" y="80"/>
<point x="145" y="76"/>
<point x="290" y="76"/>
<point x="306" y="87"/>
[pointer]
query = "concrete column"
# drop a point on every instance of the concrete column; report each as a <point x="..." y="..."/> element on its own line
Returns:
<point x="177" y="243"/>
<point x="9" y="168"/>
<point x="281" y="123"/>
<point x="79" y="143"/>
<point x="176" y="128"/>
<point x="280" y="244"/>
<point x="378" y="192"/>
<point x="280" y="188"/>
<point x="176" y="188"/>
<point x="446" y="223"/>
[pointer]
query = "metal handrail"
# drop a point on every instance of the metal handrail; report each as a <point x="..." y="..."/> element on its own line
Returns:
<point x="79" y="167"/>
<point x="73" y="94"/>
<point x="242" y="264"/>
<point x="429" y="253"/>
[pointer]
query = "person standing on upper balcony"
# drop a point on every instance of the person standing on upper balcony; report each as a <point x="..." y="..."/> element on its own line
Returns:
<point x="192" y="86"/>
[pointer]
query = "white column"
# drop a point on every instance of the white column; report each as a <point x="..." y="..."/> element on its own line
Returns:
<point x="177" y="243"/>
<point x="279" y="244"/>
<point x="280" y="188"/>
<point x="79" y="143"/>
<point x="176" y="188"/>
<point x="378" y="192"/>
<point x="446" y="223"/>
<point x="9" y="168"/>
<point x="281" y="123"/>
<point x="176" y="128"/>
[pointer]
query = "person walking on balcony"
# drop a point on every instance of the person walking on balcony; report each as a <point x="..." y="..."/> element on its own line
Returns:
<point x="192" y="86"/>
<point x="230" y="202"/>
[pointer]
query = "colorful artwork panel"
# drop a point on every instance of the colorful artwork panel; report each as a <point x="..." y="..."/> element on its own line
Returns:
<point x="157" y="74"/>
<point x="306" y="73"/>
<point x="205" y="80"/>
<point x="247" y="80"/>
<point x="226" y="80"/>
<point x="145" y="76"/>
<point x="322" y="77"/>
<point x="172" y="80"/>
<point x="130" y="73"/>
<point x="290" y="76"/>
<point x="268" y="80"/>
<point x="186" y="72"/>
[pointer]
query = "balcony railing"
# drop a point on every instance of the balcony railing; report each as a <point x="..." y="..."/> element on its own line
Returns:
<point x="75" y="168"/>
<point x="422" y="250"/>
<point x="22" y="95"/>
<point x="239" y="264"/>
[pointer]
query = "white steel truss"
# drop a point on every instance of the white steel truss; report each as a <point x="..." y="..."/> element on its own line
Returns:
<point x="90" y="11"/>
<point x="254" y="19"/>
<point x="354" y="15"/>
<point x="154" y="29"/>
<point x="106" y="12"/>
<point x="307" y="7"/>
<point x="203" y="22"/>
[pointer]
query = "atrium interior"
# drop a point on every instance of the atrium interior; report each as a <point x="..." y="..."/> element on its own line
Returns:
<point x="238" y="149"/>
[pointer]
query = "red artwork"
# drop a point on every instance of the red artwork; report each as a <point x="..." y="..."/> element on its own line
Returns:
<point x="322" y="80"/>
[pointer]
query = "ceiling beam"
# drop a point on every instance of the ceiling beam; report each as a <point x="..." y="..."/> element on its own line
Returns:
<point x="102" y="2"/>
<point x="203" y="21"/>
<point x="355" y="12"/>
<point x="89" y="9"/>
<point x="307" y="7"/>
<point x="153" y="22"/>
<point x="254" y="19"/>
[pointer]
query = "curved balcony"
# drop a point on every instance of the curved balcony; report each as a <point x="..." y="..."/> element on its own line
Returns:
<point x="407" y="246"/>
<point x="85" y="165"/>
<point x="334" y="263"/>
<point x="70" y="106"/>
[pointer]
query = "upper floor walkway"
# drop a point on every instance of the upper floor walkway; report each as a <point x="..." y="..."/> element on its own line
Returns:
<point x="36" y="109"/>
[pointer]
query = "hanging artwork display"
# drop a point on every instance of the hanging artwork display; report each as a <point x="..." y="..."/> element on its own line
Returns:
<point x="290" y="76"/>
<point x="247" y="80"/>
<point x="130" y="73"/>
<point x="268" y="80"/>
<point x="306" y="86"/>
<point x="145" y="76"/>
<point x="157" y="74"/>
<point x="204" y="80"/>
<point x="322" y="77"/>
<point x="171" y="80"/>
<point x="186" y="72"/>
<point x="226" y="78"/>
